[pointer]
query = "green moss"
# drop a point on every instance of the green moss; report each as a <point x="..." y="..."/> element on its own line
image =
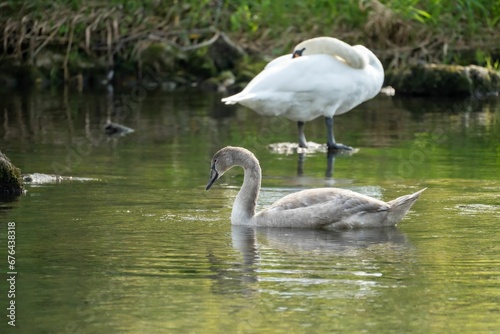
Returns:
<point x="441" y="80"/>
<point x="444" y="80"/>
<point x="11" y="181"/>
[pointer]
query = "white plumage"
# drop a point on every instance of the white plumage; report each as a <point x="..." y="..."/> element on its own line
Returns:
<point x="323" y="77"/>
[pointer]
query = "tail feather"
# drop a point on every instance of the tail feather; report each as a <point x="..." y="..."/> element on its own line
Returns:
<point x="229" y="100"/>
<point x="400" y="206"/>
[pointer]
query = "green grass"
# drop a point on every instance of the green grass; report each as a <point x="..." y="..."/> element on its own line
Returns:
<point x="399" y="31"/>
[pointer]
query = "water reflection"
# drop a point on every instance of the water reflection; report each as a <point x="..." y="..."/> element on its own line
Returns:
<point x="7" y="198"/>
<point x="247" y="240"/>
<point x="330" y="162"/>
<point x="152" y="253"/>
<point x="342" y="263"/>
<point x="348" y="258"/>
<point x="60" y="118"/>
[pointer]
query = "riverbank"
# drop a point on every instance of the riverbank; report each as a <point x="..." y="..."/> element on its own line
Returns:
<point x="217" y="44"/>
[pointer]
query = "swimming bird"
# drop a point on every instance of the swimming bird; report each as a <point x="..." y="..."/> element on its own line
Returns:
<point x="324" y="76"/>
<point x="329" y="208"/>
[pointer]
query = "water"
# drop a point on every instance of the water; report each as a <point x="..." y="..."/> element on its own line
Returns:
<point x="144" y="248"/>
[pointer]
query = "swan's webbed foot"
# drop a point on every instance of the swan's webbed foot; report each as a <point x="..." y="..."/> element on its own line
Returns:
<point x="337" y="147"/>
<point x="332" y="145"/>
<point x="302" y="143"/>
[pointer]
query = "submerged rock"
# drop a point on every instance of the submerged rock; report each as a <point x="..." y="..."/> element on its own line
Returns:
<point x="11" y="182"/>
<point x="219" y="83"/>
<point x="312" y="147"/>
<point x="290" y="148"/>
<point x="116" y="130"/>
<point x="39" y="178"/>
<point x="444" y="80"/>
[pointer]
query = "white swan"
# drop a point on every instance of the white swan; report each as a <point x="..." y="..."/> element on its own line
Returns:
<point x="314" y="208"/>
<point x="323" y="77"/>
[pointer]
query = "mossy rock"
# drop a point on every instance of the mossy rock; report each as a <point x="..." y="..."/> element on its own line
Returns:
<point x="161" y="57"/>
<point x="219" y="83"/>
<point x="11" y="181"/>
<point x="444" y="80"/>
<point x="484" y="81"/>
<point x="225" y="54"/>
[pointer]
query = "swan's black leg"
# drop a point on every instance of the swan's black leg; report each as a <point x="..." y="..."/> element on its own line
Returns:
<point x="302" y="137"/>
<point x="330" y="137"/>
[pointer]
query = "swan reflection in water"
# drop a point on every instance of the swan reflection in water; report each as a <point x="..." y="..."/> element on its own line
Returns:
<point x="330" y="162"/>
<point x="313" y="148"/>
<point x="300" y="256"/>
<point x="248" y="241"/>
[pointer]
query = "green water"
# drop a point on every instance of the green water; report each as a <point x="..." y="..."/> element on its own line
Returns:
<point x="145" y="249"/>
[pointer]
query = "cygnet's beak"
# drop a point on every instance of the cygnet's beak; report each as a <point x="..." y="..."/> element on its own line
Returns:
<point x="214" y="175"/>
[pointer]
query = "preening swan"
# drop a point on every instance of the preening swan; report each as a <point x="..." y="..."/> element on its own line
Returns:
<point x="323" y="77"/>
<point x="330" y="208"/>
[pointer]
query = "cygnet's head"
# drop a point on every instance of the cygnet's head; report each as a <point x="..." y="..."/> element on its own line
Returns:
<point x="223" y="160"/>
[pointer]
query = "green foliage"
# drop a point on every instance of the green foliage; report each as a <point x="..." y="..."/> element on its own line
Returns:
<point x="484" y="58"/>
<point x="400" y="30"/>
<point x="243" y="20"/>
<point x="466" y="16"/>
<point x="275" y="16"/>
<point x="492" y="65"/>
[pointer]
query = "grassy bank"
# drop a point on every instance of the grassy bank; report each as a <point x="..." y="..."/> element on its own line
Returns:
<point x="74" y="41"/>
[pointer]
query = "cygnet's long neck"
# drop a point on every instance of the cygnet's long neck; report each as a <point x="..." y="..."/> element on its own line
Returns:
<point x="246" y="200"/>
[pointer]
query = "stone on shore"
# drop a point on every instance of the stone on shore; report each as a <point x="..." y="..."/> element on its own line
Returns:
<point x="444" y="80"/>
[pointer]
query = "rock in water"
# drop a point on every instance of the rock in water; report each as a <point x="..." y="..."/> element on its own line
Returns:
<point x="115" y="129"/>
<point x="11" y="182"/>
<point x="444" y="80"/>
